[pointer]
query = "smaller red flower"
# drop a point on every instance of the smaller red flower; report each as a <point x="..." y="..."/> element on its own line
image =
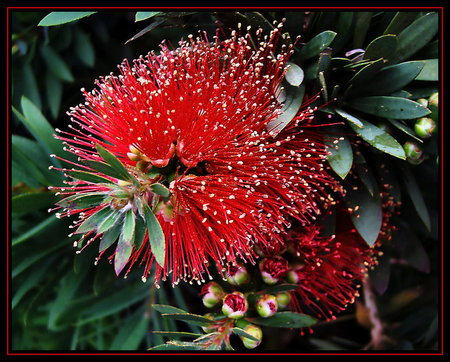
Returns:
<point x="273" y="269"/>
<point x="234" y="305"/>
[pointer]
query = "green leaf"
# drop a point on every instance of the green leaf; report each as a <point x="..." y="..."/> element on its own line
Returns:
<point x="30" y="201"/>
<point x="115" y="163"/>
<point x="379" y="139"/>
<point x="317" y="44"/>
<point x="123" y="252"/>
<point x="281" y="288"/>
<point x="367" y="73"/>
<point x="63" y="17"/>
<point x="416" y="196"/>
<point x="93" y="221"/>
<point x="400" y="21"/>
<point x="172" y="334"/>
<point x="160" y="189"/>
<point x="54" y="89"/>
<point x="352" y="119"/>
<point x="103" y="168"/>
<point x="404" y="128"/>
<point x="109" y="222"/>
<point x="31" y="88"/>
<point x="382" y="47"/>
<point x="81" y="201"/>
<point x="294" y="74"/>
<point x="189" y="318"/>
<point x="109" y="237"/>
<point x="285" y="320"/>
<point x="42" y="226"/>
<point x="84" y="48"/>
<point x="362" y="23"/>
<point x="131" y="332"/>
<point x="139" y="232"/>
<point x="290" y="108"/>
<point x="167" y="309"/>
<point x="389" y="107"/>
<point x="88" y="177"/>
<point x="242" y="333"/>
<point x="155" y="236"/>
<point x="129" y="225"/>
<point x="390" y="79"/>
<point x="430" y="72"/>
<point x="143" y="15"/>
<point x="367" y="213"/>
<point x="341" y="155"/>
<point x="415" y="36"/>
<point x="56" y="64"/>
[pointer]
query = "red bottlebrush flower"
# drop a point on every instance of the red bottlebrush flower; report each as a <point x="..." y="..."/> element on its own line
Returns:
<point x="273" y="269"/>
<point x="193" y="126"/>
<point x="332" y="270"/>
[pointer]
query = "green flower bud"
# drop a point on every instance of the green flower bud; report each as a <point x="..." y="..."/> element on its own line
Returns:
<point x="424" y="127"/>
<point x="237" y="275"/>
<point x="433" y="106"/>
<point x="212" y="294"/>
<point x="413" y="152"/>
<point x="266" y="305"/>
<point x="283" y="299"/>
<point x="254" y="331"/>
<point x="422" y="102"/>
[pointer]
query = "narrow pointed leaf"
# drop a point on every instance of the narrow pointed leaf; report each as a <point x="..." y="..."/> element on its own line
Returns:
<point x="114" y="162"/>
<point x="160" y="189"/>
<point x="128" y="227"/>
<point x="109" y="237"/>
<point x="352" y="119"/>
<point x="286" y="320"/>
<point x="123" y="253"/>
<point x="189" y="318"/>
<point x="88" y="177"/>
<point x="93" y="221"/>
<point x="109" y="222"/>
<point x="379" y="139"/>
<point x="103" y="168"/>
<point x="167" y="309"/>
<point x="389" y="107"/>
<point x="82" y="201"/>
<point x="317" y="44"/>
<point x="155" y="236"/>
<point x="63" y="17"/>
<point x="144" y="15"/>
<point x="242" y="333"/>
<point x="381" y="47"/>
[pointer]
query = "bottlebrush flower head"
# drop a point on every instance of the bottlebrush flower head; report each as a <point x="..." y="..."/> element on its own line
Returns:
<point x="199" y="166"/>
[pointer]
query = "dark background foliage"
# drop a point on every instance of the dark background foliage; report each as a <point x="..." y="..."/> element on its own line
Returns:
<point x="60" y="301"/>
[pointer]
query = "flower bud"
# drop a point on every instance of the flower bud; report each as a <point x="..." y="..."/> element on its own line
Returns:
<point x="413" y="152"/>
<point x="266" y="305"/>
<point x="254" y="331"/>
<point x="237" y="275"/>
<point x="234" y="305"/>
<point x="283" y="299"/>
<point x="433" y="106"/>
<point x="424" y="127"/>
<point x="422" y="102"/>
<point x="273" y="269"/>
<point x="211" y="293"/>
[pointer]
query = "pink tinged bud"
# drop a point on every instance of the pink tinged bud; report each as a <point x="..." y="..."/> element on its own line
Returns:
<point x="212" y="293"/>
<point x="413" y="152"/>
<point x="273" y="269"/>
<point x="254" y="331"/>
<point x="424" y="127"/>
<point x="266" y="305"/>
<point x="234" y="305"/>
<point x="237" y="275"/>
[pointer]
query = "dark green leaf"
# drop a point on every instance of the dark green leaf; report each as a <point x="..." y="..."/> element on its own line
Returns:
<point x="381" y="47"/>
<point x="367" y="73"/>
<point x="109" y="222"/>
<point x="403" y="127"/>
<point x="389" y="107"/>
<point x="103" y="168"/>
<point x="84" y="48"/>
<point x="148" y="28"/>
<point x="415" y="36"/>
<point x="160" y="189"/>
<point x="430" y="72"/>
<point x="170" y="346"/>
<point x="317" y="44"/>
<point x="390" y="79"/>
<point x="131" y="332"/>
<point x="167" y="309"/>
<point x="400" y="21"/>
<point x="31" y="201"/>
<point x="93" y="221"/>
<point x="114" y="162"/>
<point x="242" y="333"/>
<point x="416" y="196"/>
<point x="367" y="213"/>
<point x="352" y="119"/>
<point x="81" y="201"/>
<point x="123" y="252"/>
<point x="285" y="320"/>
<point x="281" y="288"/>
<point x="42" y="226"/>
<point x="379" y="139"/>
<point x="88" y="177"/>
<point x="172" y="334"/>
<point x="189" y="318"/>
<point x="109" y="237"/>
<point x="290" y="108"/>
<point x="363" y="19"/>
<point x="139" y="232"/>
<point x="155" y="236"/>
<point x="56" y="64"/>
<point x="54" y="89"/>
<point x="31" y="89"/>
<point x="341" y="155"/>
<point x="63" y="17"/>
